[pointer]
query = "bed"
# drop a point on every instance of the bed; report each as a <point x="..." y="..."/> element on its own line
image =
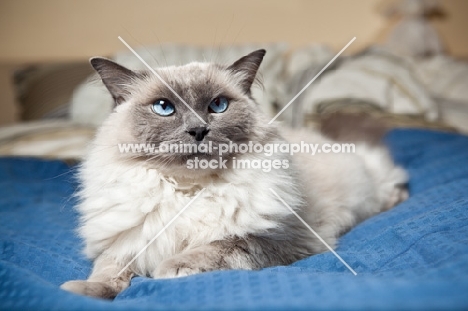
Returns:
<point x="414" y="256"/>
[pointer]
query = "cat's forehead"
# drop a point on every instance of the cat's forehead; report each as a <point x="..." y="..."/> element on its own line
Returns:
<point x="191" y="72"/>
<point x="193" y="79"/>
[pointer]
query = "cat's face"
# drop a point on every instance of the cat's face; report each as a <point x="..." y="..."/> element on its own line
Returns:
<point x="218" y="95"/>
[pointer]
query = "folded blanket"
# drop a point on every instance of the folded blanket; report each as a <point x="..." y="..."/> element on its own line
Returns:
<point x="51" y="139"/>
<point x="375" y="76"/>
<point x="414" y="256"/>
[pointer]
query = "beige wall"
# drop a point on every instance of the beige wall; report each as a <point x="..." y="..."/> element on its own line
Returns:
<point x="56" y="30"/>
<point x="61" y="29"/>
<point x="43" y="30"/>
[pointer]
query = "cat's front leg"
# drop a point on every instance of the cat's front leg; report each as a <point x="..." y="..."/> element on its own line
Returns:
<point x="104" y="281"/>
<point x="246" y="254"/>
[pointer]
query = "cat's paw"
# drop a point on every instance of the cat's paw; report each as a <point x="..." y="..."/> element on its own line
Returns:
<point x="175" y="268"/>
<point x="93" y="289"/>
<point x="398" y="195"/>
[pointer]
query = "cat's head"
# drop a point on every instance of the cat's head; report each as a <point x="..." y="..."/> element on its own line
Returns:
<point x="192" y="104"/>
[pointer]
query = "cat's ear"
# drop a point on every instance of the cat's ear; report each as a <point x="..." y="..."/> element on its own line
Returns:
<point x="248" y="67"/>
<point x="116" y="78"/>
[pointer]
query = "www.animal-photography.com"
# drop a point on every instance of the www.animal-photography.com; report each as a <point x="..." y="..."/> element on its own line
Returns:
<point x="233" y="155"/>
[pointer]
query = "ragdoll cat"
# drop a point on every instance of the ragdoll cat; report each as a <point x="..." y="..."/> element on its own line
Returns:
<point x="237" y="221"/>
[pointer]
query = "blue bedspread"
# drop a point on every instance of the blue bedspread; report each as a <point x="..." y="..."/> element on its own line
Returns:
<point x="414" y="256"/>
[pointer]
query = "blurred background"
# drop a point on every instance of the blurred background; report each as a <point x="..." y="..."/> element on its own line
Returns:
<point x="45" y="47"/>
<point x="407" y="68"/>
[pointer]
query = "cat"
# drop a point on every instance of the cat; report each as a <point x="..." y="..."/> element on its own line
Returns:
<point x="236" y="220"/>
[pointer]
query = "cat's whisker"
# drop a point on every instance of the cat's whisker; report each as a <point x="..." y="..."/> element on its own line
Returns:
<point x="142" y="45"/>
<point x="222" y="39"/>
<point x="214" y="44"/>
<point x="160" y="47"/>
<point x="153" y="57"/>
<point x="70" y="170"/>
<point x="234" y="42"/>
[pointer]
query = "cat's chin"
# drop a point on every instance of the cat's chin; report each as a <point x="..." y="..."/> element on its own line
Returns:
<point x="188" y="173"/>
<point x="191" y="165"/>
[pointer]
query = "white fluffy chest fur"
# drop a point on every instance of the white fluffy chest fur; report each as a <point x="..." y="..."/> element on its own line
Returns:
<point x="126" y="204"/>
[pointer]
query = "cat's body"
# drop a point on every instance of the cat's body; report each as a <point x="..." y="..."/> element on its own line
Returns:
<point x="237" y="221"/>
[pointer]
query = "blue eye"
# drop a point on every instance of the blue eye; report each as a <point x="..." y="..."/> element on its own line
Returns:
<point x="218" y="105"/>
<point x="163" y="107"/>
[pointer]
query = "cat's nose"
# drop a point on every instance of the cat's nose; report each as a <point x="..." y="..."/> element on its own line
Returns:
<point x="198" y="132"/>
